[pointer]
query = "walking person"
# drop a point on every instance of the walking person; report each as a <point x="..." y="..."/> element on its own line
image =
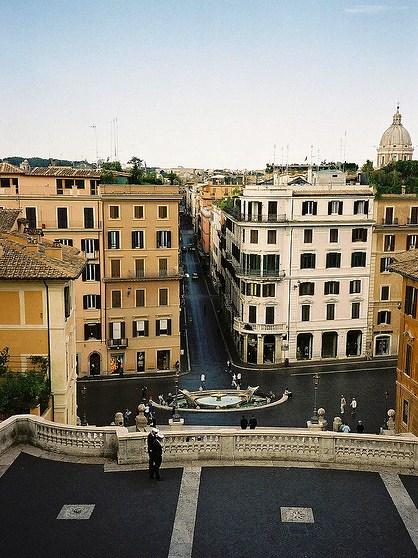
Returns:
<point x="252" y="422"/>
<point x="343" y="404"/>
<point x="228" y="366"/>
<point x="151" y="438"/>
<point x="202" y="380"/>
<point x="126" y="417"/>
<point x="353" y="406"/>
<point x="239" y="379"/>
<point x="157" y="455"/>
<point x="244" y="423"/>
<point x="360" y="427"/>
<point x="234" y="381"/>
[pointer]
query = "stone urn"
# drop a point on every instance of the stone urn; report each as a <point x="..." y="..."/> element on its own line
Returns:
<point x="336" y="424"/>
<point x="140" y="419"/>
<point x="321" y="418"/>
<point x="119" y="419"/>
<point x="391" y="420"/>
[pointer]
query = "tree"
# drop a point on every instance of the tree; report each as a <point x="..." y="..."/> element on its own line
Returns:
<point x="173" y="178"/>
<point x="367" y="167"/>
<point x="4" y="360"/>
<point x="112" y="166"/>
<point x="20" y="391"/>
<point x="137" y="171"/>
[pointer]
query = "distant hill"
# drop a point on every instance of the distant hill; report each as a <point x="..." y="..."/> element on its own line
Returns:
<point x="40" y="162"/>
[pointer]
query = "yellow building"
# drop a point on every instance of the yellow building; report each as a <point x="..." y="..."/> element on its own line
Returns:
<point x="128" y="295"/>
<point x="396" y="230"/>
<point x="406" y="268"/>
<point x="37" y="313"/>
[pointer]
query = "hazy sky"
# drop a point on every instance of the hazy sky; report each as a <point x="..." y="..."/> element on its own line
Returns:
<point x="206" y="83"/>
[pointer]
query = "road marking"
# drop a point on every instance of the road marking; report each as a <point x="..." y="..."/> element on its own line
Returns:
<point x="341" y="371"/>
<point x="181" y="544"/>
<point x="404" y="504"/>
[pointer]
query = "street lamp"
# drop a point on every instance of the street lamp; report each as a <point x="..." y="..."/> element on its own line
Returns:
<point x="176" y="416"/>
<point x="315" y="412"/>
<point x="385" y="421"/>
<point x="84" y="399"/>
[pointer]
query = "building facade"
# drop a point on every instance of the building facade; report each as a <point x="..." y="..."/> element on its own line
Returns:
<point x="128" y="295"/>
<point x="294" y="263"/>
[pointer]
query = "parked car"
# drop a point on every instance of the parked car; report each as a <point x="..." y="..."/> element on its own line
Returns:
<point x="195" y="275"/>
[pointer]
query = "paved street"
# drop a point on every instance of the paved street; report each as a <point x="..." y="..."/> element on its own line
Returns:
<point x="206" y="512"/>
<point x="368" y="381"/>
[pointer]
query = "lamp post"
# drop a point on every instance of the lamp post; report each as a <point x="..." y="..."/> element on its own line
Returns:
<point x="176" y="416"/>
<point x="316" y="384"/>
<point x="385" y="421"/>
<point x="84" y="399"/>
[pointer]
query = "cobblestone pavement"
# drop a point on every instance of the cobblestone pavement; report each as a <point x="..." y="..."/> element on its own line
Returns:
<point x="209" y="512"/>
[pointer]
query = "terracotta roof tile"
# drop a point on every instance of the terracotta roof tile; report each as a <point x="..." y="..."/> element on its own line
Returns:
<point x="7" y="168"/>
<point x="65" y="172"/>
<point x="20" y="259"/>
<point x="8" y="218"/>
<point x="406" y="264"/>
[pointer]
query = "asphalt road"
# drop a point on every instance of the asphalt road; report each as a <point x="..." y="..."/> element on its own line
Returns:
<point x="368" y="381"/>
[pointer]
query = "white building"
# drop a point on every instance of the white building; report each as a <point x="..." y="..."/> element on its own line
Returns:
<point x="294" y="267"/>
<point x="396" y="144"/>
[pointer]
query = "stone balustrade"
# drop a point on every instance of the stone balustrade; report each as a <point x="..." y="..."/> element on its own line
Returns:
<point x="229" y="445"/>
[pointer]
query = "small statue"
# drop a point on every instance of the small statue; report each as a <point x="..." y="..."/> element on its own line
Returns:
<point x="119" y="419"/>
<point x="140" y="419"/>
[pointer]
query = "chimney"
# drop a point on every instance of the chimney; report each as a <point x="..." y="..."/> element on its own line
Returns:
<point x="53" y="252"/>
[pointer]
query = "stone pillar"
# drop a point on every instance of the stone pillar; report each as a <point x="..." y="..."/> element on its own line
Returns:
<point x="245" y="348"/>
<point x="260" y="349"/>
<point x="278" y="349"/>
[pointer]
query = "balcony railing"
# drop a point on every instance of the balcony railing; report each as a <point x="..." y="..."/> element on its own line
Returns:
<point x="394" y="221"/>
<point x="117" y="343"/>
<point x="173" y="273"/>
<point x="246" y="327"/>
<point x="260" y="273"/>
<point x="259" y="218"/>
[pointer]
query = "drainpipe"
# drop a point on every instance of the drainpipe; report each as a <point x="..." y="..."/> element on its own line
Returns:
<point x="290" y="279"/>
<point x="49" y="345"/>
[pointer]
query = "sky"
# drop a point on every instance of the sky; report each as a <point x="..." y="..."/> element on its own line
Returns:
<point x="206" y="83"/>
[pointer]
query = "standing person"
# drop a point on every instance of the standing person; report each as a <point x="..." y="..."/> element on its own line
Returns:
<point x="353" y="406"/>
<point x="345" y="428"/>
<point x="234" y="381"/>
<point x="228" y="366"/>
<point x="151" y="438"/>
<point x="157" y="455"/>
<point x="244" y="423"/>
<point x="203" y="380"/>
<point x="343" y="404"/>
<point x="360" y="427"/>
<point x="126" y="416"/>
<point x="239" y="379"/>
<point x="144" y="393"/>
<point x="253" y="422"/>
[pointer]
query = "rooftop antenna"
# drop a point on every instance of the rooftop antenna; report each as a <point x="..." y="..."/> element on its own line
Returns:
<point x="287" y="158"/>
<point x="95" y="139"/>
<point x="345" y="149"/>
<point x="274" y="156"/>
<point x="311" y="154"/>
<point x="282" y="165"/>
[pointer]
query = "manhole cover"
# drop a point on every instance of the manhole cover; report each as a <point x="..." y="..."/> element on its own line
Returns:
<point x="76" y="511"/>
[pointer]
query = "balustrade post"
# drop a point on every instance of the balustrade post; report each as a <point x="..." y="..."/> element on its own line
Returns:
<point x="326" y="449"/>
<point x="227" y="447"/>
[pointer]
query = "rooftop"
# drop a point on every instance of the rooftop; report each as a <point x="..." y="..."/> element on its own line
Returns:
<point x="8" y="218"/>
<point x="406" y="264"/>
<point x="7" y="168"/>
<point x="22" y="257"/>
<point x="67" y="172"/>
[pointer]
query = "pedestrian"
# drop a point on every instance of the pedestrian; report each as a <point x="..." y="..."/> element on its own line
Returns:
<point x="234" y="381"/>
<point x="203" y="380"/>
<point x="228" y="365"/>
<point x="161" y="399"/>
<point x="353" y="406"/>
<point x="345" y="428"/>
<point x="126" y="416"/>
<point x="144" y="393"/>
<point x="343" y="404"/>
<point x="157" y="455"/>
<point x="239" y="379"/>
<point x="150" y="444"/>
<point x="360" y="427"/>
<point x="244" y="423"/>
<point x="288" y="393"/>
<point x="252" y="422"/>
<point x="151" y="405"/>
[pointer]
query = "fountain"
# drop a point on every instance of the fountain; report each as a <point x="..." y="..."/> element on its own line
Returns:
<point x="221" y="399"/>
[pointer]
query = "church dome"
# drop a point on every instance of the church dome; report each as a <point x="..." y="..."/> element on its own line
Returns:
<point x="396" y="135"/>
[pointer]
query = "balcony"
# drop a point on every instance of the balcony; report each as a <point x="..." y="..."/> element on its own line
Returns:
<point x="390" y="222"/>
<point x="117" y="343"/>
<point x="245" y="327"/>
<point x="259" y="218"/>
<point x="163" y="275"/>
<point x="276" y="274"/>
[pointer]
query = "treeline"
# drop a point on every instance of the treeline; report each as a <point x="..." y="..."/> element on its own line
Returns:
<point x="398" y="177"/>
<point x="41" y="162"/>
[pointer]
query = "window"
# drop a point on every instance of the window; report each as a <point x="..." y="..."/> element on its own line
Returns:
<point x="162" y="212"/>
<point x="269" y="289"/>
<point x="333" y="259"/>
<point x="60" y="187"/>
<point x="80" y="184"/>
<point x="113" y="211"/>
<point x="89" y="245"/>
<point x="253" y="236"/>
<point x="307" y="236"/>
<point x="412" y="241"/>
<point x="306" y="289"/>
<point x="4" y="182"/>
<point x="359" y="235"/>
<point x="408" y="359"/>
<point x="62" y="218"/>
<point x="271" y="264"/>
<point x="405" y="411"/>
<point x="355" y="286"/>
<point x="335" y="207"/>
<point x="140" y="297"/>
<point x="113" y="240"/>
<point x="138" y="211"/>
<point x="163" y="239"/>
<point x="383" y="317"/>
<point x="140" y="328"/>
<point x="306" y="312"/>
<point x="389" y="211"/>
<point x="117" y="330"/>
<point x="385" y="263"/>
<point x="271" y="237"/>
<point x="252" y="289"/>
<point x="307" y="261"/>
<point x="333" y="235"/>
<point x="162" y="267"/>
<point x="88" y="217"/>
<point x="31" y="217"/>
<point x="243" y="235"/>
<point x="140" y="268"/>
<point x="115" y="268"/>
<point x="91" y="302"/>
<point x="269" y="314"/>
<point x="92" y="331"/>
<point x="355" y="310"/>
<point x="358" y="259"/>
<point x="384" y="292"/>
<point x="330" y="311"/>
<point x="389" y="243"/>
<point x="65" y="241"/>
<point x="162" y="297"/>
<point x="93" y="187"/>
<point x="411" y="301"/>
<point x="361" y="207"/>
<point x="332" y="287"/>
<point x="67" y="302"/>
<point x="414" y="216"/>
<point x="68" y="184"/>
<point x="309" y="208"/>
<point x="252" y="314"/>
<point x="91" y="272"/>
<point x="116" y="299"/>
<point x="138" y="239"/>
<point x="163" y="327"/>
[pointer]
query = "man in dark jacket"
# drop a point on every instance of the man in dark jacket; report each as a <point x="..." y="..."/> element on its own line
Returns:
<point x="253" y="422"/>
<point x="151" y="439"/>
<point x="157" y="455"/>
<point x="244" y="422"/>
